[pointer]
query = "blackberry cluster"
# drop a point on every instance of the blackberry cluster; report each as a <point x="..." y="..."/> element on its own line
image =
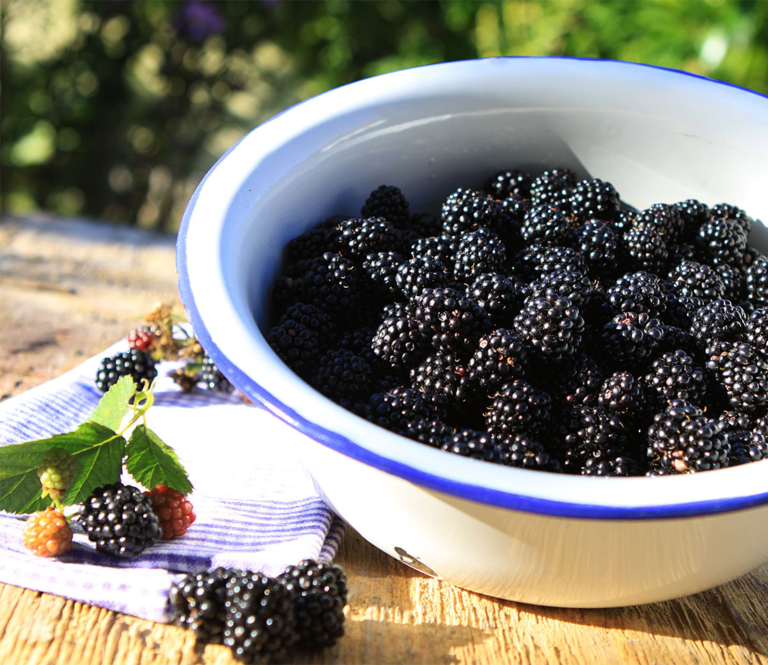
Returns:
<point x="540" y="322"/>
<point x="263" y="619"/>
<point x="134" y="363"/>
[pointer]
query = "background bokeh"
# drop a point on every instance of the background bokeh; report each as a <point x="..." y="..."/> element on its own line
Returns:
<point x="114" y="109"/>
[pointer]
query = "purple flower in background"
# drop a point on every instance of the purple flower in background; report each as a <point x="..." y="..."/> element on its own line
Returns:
<point x="199" y="20"/>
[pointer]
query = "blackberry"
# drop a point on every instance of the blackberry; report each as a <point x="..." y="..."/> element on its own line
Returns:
<point x="330" y="282"/>
<point x="721" y="240"/>
<point x="319" y="592"/>
<point x="360" y="237"/>
<point x="579" y="385"/>
<point x="733" y="214"/>
<point x="56" y="472"/>
<point x="472" y="443"/>
<point x="523" y="451"/>
<point x="538" y="260"/>
<point x="646" y="246"/>
<point x="424" y="224"/>
<point x="757" y="328"/>
<point x="594" y="199"/>
<point x="499" y="357"/>
<point x="313" y="318"/>
<point x="47" y="533"/>
<point x="341" y="373"/>
<point x="212" y="377"/>
<point x="419" y="273"/>
<point x="631" y="338"/>
<point x="438" y="248"/>
<point x="719" y="319"/>
<point x="454" y="321"/>
<point x="260" y="624"/>
<point x="175" y="512"/>
<point x="693" y="215"/>
<point x="553" y="187"/>
<point x="120" y="520"/>
<point x="295" y="344"/>
<point x="679" y="253"/>
<point x="509" y="183"/>
<point x="518" y="406"/>
<point x="443" y="375"/>
<point x="544" y="224"/>
<point x="748" y="447"/>
<point x="551" y="324"/>
<point x="311" y="244"/>
<point x="143" y="338"/>
<point x="683" y="440"/>
<point x="479" y="251"/>
<point x="599" y="246"/>
<point x="400" y="342"/>
<point x="621" y="465"/>
<point x="624" y="222"/>
<point x="398" y="407"/>
<point x="501" y="297"/>
<point x="382" y="267"/>
<point x="430" y="432"/>
<point x="575" y="286"/>
<point x="466" y="210"/>
<point x="198" y="603"/>
<point x="622" y="394"/>
<point x="638" y="292"/>
<point x="757" y="282"/>
<point x="698" y="280"/>
<point x="680" y="310"/>
<point x="733" y="280"/>
<point x="675" y="376"/>
<point x="743" y="372"/>
<point x="388" y="202"/>
<point x="591" y="433"/>
<point x="134" y="363"/>
<point x="664" y="218"/>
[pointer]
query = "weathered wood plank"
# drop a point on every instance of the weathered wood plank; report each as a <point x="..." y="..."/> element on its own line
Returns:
<point x="69" y="289"/>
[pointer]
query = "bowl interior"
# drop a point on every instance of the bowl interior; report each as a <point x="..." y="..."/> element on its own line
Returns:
<point x="658" y="136"/>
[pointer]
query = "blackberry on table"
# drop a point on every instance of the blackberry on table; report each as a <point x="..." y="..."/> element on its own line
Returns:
<point x="594" y="199"/>
<point x="388" y="202"/>
<point x="134" y="363"/>
<point x="175" y="512"/>
<point x="757" y="281"/>
<point x="683" y="440"/>
<point x="674" y="375"/>
<point x="500" y="296"/>
<point x="260" y="625"/>
<point x="401" y="341"/>
<point x="319" y="592"/>
<point x="479" y="251"/>
<point x="509" y="183"/>
<point x="143" y="338"/>
<point x="120" y="520"/>
<point x="499" y="357"/>
<point x="699" y="280"/>
<point x="545" y="224"/>
<point x="719" y="319"/>
<point x="419" y="273"/>
<point x="551" y="324"/>
<point x="198" y="603"/>
<point x="47" y="533"/>
<point x="518" y="406"/>
<point x="212" y="377"/>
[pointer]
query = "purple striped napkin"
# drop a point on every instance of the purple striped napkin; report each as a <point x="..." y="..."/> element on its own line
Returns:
<point x="256" y="507"/>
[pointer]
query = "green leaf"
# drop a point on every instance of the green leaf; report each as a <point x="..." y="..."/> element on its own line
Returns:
<point x="97" y="450"/>
<point x="151" y="462"/>
<point x="115" y="403"/>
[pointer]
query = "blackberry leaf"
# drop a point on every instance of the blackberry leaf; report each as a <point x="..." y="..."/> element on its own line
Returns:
<point x="114" y="405"/>
<point x="151" y="462"/>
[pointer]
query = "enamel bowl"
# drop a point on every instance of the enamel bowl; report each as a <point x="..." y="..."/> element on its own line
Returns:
<point x="534" y="537"/>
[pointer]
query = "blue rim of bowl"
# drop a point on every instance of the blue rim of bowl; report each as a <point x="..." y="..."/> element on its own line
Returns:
<point x="510" y="500"/>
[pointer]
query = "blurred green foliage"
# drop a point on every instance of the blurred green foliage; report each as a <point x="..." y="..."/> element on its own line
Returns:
<point x="115" y="109"/>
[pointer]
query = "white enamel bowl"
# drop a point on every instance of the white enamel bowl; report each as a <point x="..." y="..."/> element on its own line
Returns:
<point x="528" y="536"/>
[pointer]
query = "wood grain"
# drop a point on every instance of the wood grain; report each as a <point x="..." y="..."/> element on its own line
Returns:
<point x="70" y="288"/>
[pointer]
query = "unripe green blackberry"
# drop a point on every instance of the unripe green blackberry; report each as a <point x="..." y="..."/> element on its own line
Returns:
<point x="319" y="592"/>
<point x="56" y="472"/>
<point x="120" y="520"/>
<point x="134" y="363"/>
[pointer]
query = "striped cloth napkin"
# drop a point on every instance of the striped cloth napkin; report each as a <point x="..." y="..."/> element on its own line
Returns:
<point x="256" y="507"/>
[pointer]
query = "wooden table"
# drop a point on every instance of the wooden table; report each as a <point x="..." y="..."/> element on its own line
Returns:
<point x="68" y="289"/>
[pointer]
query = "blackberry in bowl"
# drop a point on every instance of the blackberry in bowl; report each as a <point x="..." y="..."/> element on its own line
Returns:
<point x="501" y="513"/>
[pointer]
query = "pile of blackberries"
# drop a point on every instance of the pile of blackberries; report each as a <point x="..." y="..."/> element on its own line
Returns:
<point x="538" y="322"/>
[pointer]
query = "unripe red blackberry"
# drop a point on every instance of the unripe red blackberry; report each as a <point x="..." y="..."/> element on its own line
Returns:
<point x="319" y="592"/>
<point x="173" y="509"/>
<point x="47" y="533"/>
<point x="142" y="338"/>
<point x="56" y="472"/>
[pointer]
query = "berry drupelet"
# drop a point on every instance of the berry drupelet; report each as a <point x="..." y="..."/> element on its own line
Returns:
<point x="134" y="363"/>
<point x="319" y="592"/>
<point x="120" y="520"/>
